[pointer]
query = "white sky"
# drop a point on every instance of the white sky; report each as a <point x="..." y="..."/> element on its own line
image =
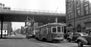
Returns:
<point x="57" y="6"/>
<point x="46" y="5"/>
<point x="17" y="25"/>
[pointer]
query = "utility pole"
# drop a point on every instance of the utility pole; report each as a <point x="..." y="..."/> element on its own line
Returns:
<point x="74" y="11"/>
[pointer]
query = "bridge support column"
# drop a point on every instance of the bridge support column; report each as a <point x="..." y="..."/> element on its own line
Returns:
<point x="1" y="26"/>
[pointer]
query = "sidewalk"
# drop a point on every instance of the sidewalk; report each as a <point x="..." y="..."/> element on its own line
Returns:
<point x="2" y="40"/>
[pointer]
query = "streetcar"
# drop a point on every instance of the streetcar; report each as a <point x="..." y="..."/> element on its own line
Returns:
<point x="50" y="32"/>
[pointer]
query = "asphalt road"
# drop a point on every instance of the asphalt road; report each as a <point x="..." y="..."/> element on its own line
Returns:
<point x="32" y="43"/>
<point x="23" y="42"/>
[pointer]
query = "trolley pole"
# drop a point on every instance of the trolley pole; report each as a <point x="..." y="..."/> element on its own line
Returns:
<point x="56" y="20"/>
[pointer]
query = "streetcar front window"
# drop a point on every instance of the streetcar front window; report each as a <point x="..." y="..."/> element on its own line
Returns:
<point x="54" y="29"/>
<point x="59" y="29"/>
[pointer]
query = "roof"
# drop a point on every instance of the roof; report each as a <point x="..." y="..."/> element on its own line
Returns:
<point x="57" y="23"/>
<point x="30" y="13"/>
<point x="53" y="24"/>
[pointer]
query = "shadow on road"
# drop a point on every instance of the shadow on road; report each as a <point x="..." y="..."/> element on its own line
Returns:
<point x="83" y="46"/>
<point x="43" y="41"/>
<point x="36" y="41"/>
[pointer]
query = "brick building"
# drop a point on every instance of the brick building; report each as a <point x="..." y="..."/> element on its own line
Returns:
<point x="78" y="15"/>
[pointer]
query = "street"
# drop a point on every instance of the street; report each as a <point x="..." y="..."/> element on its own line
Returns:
<point x="23" y="42"/>
<point x="31" y="43"/>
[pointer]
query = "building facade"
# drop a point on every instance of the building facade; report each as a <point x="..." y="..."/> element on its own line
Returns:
<point x="78" y="15"/>
<point x="7" y="27"/>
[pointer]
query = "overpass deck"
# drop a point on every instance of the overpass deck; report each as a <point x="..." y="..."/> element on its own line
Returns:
<point x="20" y="16"/>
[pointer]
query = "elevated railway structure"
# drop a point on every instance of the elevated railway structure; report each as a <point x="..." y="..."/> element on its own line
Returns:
<point x="21" y="16"/>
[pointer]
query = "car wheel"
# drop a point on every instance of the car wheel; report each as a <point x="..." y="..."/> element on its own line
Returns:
<point x="80" y="44"/>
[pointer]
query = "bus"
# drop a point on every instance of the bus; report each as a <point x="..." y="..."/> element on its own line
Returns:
<point x="50" y="32"/>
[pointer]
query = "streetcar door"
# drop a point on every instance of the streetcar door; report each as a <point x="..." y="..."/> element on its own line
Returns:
<point x="60" y="32"/>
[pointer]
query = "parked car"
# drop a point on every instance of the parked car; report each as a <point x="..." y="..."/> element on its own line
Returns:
<point x="74" y="36"/>
<point x="84" y="40"/>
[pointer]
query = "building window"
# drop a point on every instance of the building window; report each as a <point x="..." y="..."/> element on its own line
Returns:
<point x="78" y="6"/>
<point x="69" y="16"/>
<point x="69" y="9"/>
<point x="86" y="7"/>
<point x="72" y="16"/>
<point x="78" y="12"/>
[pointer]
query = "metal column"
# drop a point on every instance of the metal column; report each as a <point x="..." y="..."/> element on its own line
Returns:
<point x="74" y="8"/>
<point x="1" y="25"/>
